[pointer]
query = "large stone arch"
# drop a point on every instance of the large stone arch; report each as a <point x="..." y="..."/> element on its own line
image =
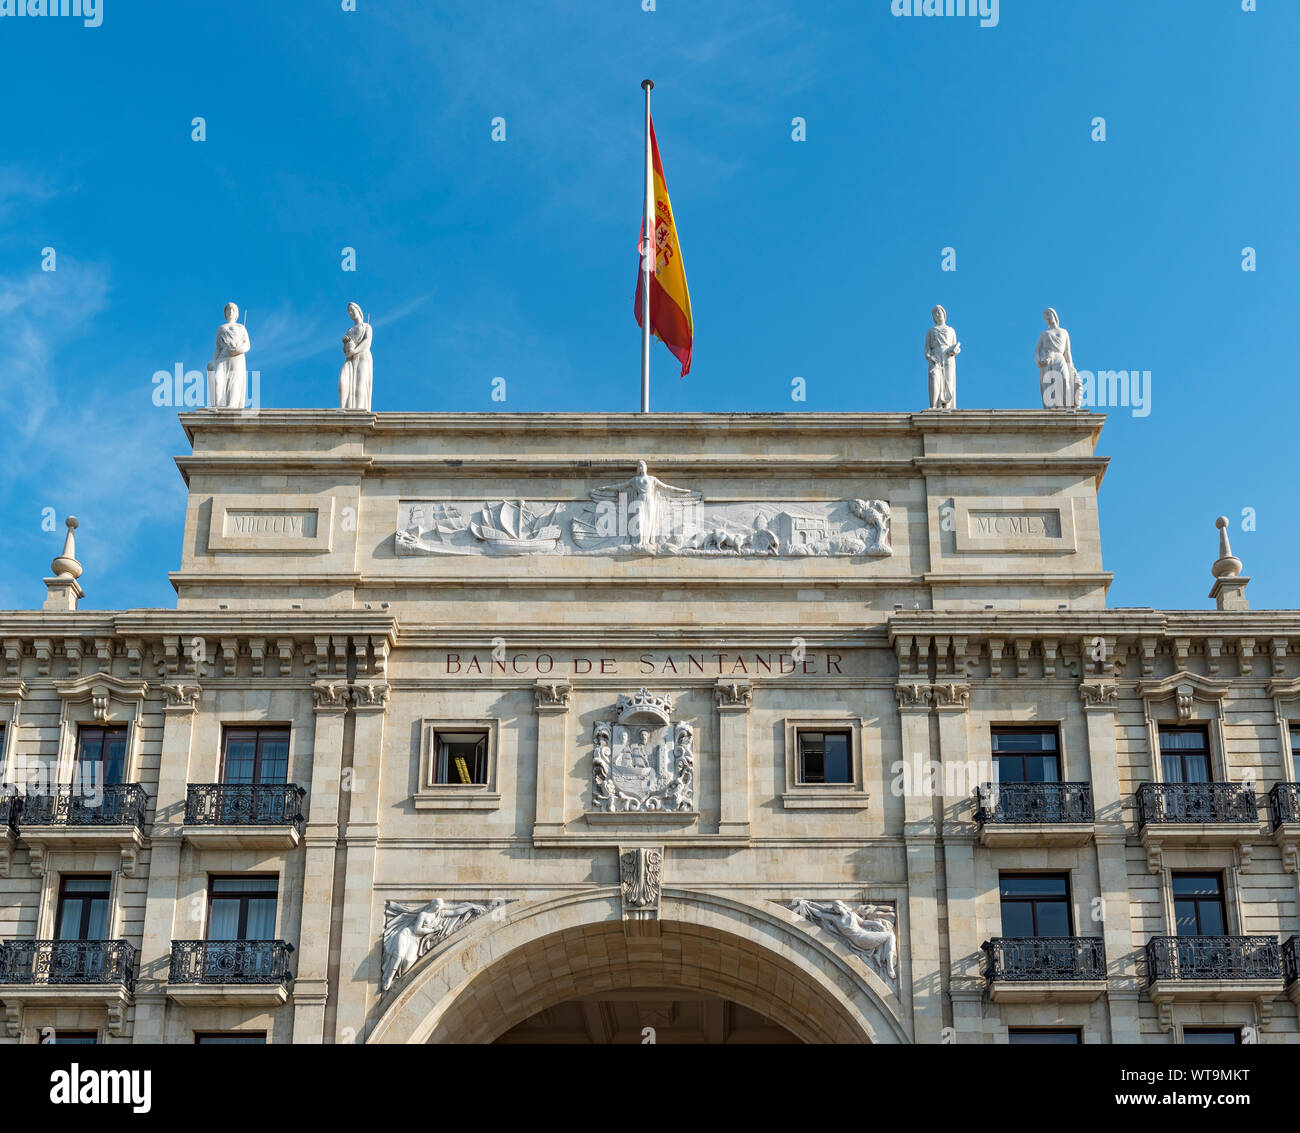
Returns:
<point x="500" y="971"/>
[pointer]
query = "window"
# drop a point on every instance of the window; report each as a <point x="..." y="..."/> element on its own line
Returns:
<point x="1212" y="1036"/>
<point x="256" y="755"/>
<point x="1026" y="755"/>
<point x="75" y="1038"/>
<point x="462" y="758"/>
<point x="83" y="908"/>
<point x="825" y="757"/>
<point x="1054" y="1036"/>
<point x="230" y="1038"/>
<point x="242" y="908"/>
<point x="1035" y="904"/>
<point x="1199" y="908"/>
<point x="1184" y="755"/>
<point x="101" y="755"/>
<point x="1295" y="750"/>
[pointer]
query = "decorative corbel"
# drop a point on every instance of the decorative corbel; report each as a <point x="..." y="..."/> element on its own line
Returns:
<point x="640" y="876"/>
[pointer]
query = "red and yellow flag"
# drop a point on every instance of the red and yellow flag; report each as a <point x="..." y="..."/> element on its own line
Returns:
<point x="670" y="301"/>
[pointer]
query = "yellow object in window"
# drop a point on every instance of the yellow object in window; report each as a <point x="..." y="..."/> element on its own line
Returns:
<point x="462" y="769"/>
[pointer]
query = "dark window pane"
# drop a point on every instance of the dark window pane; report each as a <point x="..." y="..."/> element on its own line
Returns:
<point x="75" y="1038"/>
<point x="1211" y="1036"/>
<point x="245" y="885"/>
<point x="235" y="1038"/>
<point x="837" y="757"/>
<point x="1197" y="885"/>
<point x="1042" y="769"/>
<point x="1034" y="885"/>
<point x="1040" y="1035"/>
<point x="1010" y="767"/>
<point x="1017" y="918"/>
<point x="1024" y="739"/>
<point x="1053" y="918"/>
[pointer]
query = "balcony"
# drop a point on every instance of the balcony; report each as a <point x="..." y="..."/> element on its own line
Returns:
<point x="1214" y="969"/>
<point x="1042" y="969"/>
<point x="1034" y="814"/>
<point x="1284" y="814"/>
<point x="253" y="815"/>
<point x="1291" y="968"/>
<point x="223" y="972"/>
<point x="1177" y="815"/>
<point x="111" y="816"/>
<point x="10" y="805"/>
<point x="66" y="973"/>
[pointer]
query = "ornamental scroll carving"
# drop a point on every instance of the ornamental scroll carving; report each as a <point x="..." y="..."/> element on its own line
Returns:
<point x="640" y="873"/>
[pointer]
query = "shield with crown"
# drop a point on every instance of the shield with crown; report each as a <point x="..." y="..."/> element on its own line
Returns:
<point x="642" y="760"/>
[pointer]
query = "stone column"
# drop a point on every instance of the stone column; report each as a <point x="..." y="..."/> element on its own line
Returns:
<point x="552" y="700"/>
<point x="734" y="700"/>
<point x="180" y="705"/>
<point x="952" y="699"/>
<point x="358" y="948"/>
<point x="1100" y="701"/>
<point x="919" y="835"/>
<point x="320" y="842"/>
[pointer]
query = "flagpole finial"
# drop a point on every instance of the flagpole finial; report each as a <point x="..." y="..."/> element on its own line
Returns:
<point x="647" y="84"/>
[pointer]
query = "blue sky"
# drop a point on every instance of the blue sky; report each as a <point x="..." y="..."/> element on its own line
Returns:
<point x="818" y="259"/>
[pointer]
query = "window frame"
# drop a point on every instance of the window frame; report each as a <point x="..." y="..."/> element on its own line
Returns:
<point x="1201" y="728"/>
<point x="851" y="795"/>
<point x="244" y="898"/>
<point x="61" y="894"/>
<point x="1028" y="728"/>
<point x="1237" y="1038"/>
<point x="105" y="729"/>
<point x="1067" y="900"/>
<point x="1222" y="901"/>
<point x="237" y="1036"/>
<point x="1013" y="1032"/>
<point x="432" y="795"/>
<point x="260" y="733"/>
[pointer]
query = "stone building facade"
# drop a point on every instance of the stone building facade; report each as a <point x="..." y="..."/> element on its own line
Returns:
<point x="817" y="727"/>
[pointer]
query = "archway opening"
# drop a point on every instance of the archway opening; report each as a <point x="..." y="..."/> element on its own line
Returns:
<point x="630" y="1016"/>
<point x="684" y="975"/>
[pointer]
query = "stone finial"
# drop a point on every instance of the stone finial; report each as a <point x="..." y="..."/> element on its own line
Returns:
<point x="63" y="590"/>
<point x="1229" y="589"/>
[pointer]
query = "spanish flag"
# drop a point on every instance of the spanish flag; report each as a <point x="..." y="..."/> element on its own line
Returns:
<point x="670" y="301"/>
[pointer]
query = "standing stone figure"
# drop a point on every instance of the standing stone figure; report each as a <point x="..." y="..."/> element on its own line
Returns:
<point x="356" y="377"/>
<point x="941" y="350"/>
<point x="1057" y="378"/>
<point x="227" y="375"/>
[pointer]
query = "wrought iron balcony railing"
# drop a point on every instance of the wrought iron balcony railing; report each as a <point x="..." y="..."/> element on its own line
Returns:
<point x="10" y="806"/>
<point x="1284" y="803"/>
<point x="1196" y="802"/>
<point x="1291" y="960"/>
<point x="230" y="962"/>
<point x="244" y="804"/>
<point x="1213" y="958"/>
<point x="114" y="804"/>
<point x="73" y="962"/>
<point x="1023" y="958"/>
<point x="1034" y="802"/>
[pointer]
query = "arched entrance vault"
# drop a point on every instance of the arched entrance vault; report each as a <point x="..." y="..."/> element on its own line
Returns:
<point x="498" y="973"/>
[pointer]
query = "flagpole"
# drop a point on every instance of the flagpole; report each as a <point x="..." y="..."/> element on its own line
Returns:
<point x="647" y="254"/>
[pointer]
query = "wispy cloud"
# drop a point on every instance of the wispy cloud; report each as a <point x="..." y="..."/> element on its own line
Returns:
<point x="43" y="311"/>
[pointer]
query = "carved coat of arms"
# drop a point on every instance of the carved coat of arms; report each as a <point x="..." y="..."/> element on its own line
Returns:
<point x="642" y="760"/>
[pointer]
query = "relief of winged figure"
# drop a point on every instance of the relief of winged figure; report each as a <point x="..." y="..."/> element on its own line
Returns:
<point x="412" y="928"/>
